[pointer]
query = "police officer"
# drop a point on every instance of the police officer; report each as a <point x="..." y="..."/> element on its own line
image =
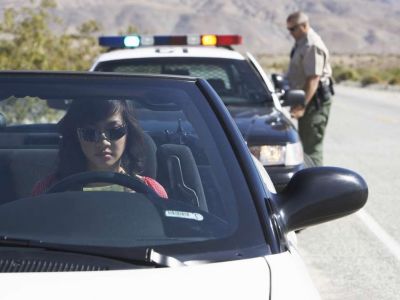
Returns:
<point x="310" y="70"/>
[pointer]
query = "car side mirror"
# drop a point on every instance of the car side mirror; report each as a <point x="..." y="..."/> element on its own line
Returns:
<point x="287" y="96"/>
<point x="293" y="98"/>
<point x="278" y="81"/>
<point x="317" y="195"/>
<point x="281" y="85"/>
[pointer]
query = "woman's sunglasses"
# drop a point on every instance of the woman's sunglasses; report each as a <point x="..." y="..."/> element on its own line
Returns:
<point x="94" y="135"/>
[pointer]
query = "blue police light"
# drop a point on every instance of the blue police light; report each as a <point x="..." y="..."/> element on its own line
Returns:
<point x="132" y="41"/>
<point x="111" y="41"/>
<point x="129" y="41"/>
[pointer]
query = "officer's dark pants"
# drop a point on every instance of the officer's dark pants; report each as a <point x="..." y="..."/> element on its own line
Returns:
<point x="312" y="129"/>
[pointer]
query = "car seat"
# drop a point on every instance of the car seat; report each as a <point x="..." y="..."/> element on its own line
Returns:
<point x="174" y="166"/>
<point x="179" y="172"/>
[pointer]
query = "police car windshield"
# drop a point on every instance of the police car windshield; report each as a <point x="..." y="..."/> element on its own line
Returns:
<point x="235" y="81"/>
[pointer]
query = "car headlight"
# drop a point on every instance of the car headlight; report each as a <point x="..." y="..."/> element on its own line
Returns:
<point x="273" y="155"/>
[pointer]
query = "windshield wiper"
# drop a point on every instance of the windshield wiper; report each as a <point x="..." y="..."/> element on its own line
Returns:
<point x="143" y="256"/>
<point x="162" y="260"/>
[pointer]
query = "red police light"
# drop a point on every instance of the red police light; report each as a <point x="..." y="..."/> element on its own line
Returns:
<point x="227" y="40"/>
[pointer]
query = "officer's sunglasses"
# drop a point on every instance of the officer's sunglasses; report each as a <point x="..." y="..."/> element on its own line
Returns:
<point x="94" y="135"/>
<point x="293" y="28"/>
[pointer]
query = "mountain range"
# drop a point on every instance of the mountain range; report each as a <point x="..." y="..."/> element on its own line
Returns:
<point x="347" y="27"/>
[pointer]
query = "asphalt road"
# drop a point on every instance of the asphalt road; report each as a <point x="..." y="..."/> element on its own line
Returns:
<point x="358" y="257"/>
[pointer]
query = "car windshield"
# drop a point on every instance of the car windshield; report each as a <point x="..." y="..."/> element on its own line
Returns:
<point x="183" y="192"/>
<point x="235" y="81"/>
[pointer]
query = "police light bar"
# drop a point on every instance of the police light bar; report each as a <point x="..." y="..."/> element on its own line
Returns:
<point x="134" y="41"/>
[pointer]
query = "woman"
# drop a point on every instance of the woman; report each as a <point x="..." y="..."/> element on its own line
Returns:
<point x="99" y="136"/>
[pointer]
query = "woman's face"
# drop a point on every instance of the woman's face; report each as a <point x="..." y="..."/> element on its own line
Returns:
<point x="104" y="143"/>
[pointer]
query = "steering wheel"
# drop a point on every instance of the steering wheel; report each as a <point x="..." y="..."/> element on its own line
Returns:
<point x="80" y="179"/>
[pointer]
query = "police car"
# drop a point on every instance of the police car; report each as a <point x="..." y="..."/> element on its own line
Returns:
<point x="240" y="81"/>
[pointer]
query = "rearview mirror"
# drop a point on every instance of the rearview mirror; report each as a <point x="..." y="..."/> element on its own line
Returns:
<point x="317" y="195"/>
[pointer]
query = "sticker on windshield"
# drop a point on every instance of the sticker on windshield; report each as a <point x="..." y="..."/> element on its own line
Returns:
<point x="184" y="215"/>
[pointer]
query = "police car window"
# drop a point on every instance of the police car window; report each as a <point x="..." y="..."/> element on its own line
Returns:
<point x="234" y="80"/>
<point x="145" y="69"/>
<point x="205" y="71"/>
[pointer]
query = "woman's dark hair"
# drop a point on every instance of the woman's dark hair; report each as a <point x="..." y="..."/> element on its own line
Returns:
<point x="88" y="112"/>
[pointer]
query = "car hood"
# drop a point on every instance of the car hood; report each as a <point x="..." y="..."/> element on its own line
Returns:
<point x="262" y="125"/>
<point x="241" y="279"/>
<point x="290" y="278"/>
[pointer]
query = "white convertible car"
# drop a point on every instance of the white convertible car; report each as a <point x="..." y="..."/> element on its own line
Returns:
<point x="190" y="217"/>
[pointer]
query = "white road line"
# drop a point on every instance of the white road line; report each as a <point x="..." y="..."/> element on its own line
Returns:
<point x="377" y="230"/>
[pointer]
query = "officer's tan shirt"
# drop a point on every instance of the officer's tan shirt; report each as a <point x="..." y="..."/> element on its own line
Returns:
<point x="310" y="58"/>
